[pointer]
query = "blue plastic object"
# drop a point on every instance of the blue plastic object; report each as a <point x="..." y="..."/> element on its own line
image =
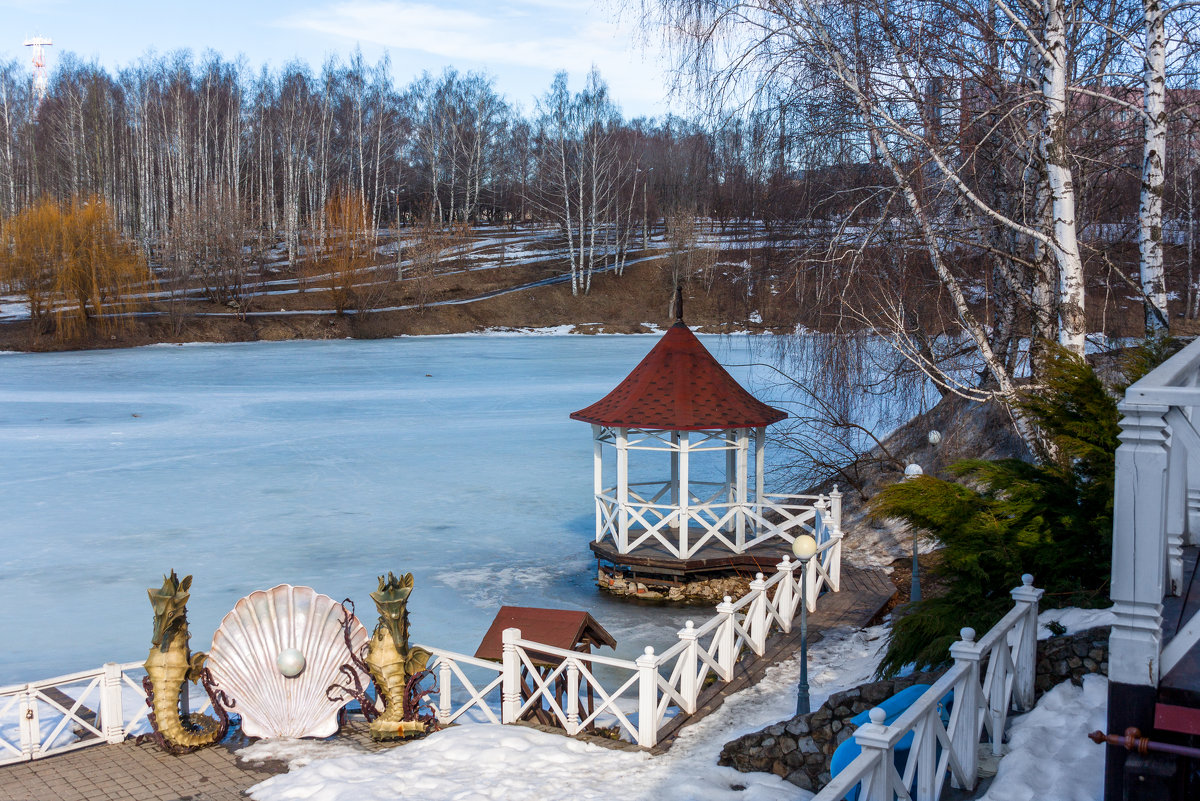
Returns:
<point x="893" y="708"/>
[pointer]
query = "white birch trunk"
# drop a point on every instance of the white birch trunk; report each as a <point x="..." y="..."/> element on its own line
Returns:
<point x="1053" y="146"/>
<point x="1150" y="213"/>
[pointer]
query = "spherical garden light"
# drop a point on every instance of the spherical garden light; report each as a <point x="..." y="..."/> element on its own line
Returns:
<point x="804" y="547"/>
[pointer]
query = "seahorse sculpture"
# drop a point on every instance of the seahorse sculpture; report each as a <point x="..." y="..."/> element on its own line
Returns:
<point x="396" y="667"/>
<point x="169" y="666"/>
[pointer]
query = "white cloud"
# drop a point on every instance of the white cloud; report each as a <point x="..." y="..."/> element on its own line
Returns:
<point x="544" y="35"/>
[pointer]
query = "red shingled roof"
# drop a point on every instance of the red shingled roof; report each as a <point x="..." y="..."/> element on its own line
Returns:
<point x="679" y="386"/>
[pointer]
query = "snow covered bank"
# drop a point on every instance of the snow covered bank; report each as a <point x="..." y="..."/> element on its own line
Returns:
<point x="1050" y="756"/>
<point x="501" y="762"/>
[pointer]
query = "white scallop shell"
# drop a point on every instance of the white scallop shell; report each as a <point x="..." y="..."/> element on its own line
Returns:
<point x="248" y="643"/>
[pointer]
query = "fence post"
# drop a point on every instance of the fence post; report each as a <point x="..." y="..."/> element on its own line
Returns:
<point x="872" y="738"/>
<point x="725" y="636"/>
<point x="444" y="699"/>
<point x="835" y="562"/>
<point x="31" y="737"/>
<point x="572" y="709"/>
<point x="809" y="592"/>
<point x="112" y="716"/>
<point x="689" y="676"/>
<point x="647" y="698"/>
<point x="835" y="507"/>
<point x="785" y="593"/>
<point x="510" y="688"/>
<point x="1026" y="596"/>
<point x="757" y="616"/>
<point x="964" y="723"/>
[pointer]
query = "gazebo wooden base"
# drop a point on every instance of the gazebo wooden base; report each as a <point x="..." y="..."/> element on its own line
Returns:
<point x="661" y="566"/>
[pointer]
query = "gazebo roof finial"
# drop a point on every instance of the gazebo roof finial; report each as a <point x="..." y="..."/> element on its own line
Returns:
<point x="679" y="303"/>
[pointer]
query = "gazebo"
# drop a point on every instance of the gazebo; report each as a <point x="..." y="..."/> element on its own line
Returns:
<point x="704" y="514"/>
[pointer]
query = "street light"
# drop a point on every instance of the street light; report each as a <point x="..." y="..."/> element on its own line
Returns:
<point x="804" y="546"/>
<point x="913" y="471"/>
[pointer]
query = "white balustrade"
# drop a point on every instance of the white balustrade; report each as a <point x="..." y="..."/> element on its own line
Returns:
<point x="639" y="696"/>
<point x="939" y="751"/>
<point x="53" y="716"/>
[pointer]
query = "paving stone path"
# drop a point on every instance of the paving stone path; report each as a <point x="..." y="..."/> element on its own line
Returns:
<point x="132" y="772"/>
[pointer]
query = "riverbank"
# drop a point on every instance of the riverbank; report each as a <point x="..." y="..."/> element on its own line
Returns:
<point x="492" y="281"/>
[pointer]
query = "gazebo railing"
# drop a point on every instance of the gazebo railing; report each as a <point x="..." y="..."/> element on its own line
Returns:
<point x="646" y="518"/>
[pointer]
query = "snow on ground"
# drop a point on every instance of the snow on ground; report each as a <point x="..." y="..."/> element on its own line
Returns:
<point x="1050" y="756"/>
<point x="1073" y="620"/>
<point x="501" y="762"/>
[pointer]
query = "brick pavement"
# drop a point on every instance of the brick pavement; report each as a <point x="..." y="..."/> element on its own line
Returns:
<point x="132" y="772"/>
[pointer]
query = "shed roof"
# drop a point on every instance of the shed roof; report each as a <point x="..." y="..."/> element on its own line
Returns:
<point x="561" y="628"/>
<point x="679" y="386"/>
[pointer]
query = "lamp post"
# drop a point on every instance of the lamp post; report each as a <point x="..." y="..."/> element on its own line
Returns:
<point x="913" y="471"/>
<point x="803" y="547"/>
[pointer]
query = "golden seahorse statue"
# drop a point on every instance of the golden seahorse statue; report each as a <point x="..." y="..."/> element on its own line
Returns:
<point x="170" y="666"/>
<point x="393" y="664"/>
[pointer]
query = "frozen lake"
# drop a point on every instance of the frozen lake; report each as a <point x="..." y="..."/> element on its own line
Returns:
<point x="316" y="463"/>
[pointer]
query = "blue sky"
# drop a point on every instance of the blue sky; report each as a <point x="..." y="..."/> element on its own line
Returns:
<point x="519" y="42"/>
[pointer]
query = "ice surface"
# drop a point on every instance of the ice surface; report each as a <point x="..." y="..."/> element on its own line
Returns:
<point x="495" y="762"/>
<point x="316" y="463"/>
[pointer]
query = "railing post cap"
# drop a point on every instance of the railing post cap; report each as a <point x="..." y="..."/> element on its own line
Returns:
<point x="877" y="715"/>
<point x="967" y="633"/>
<point x="511" y="633"/>
<point x="728" y="599"/>
<point x="648" y="650"/>
<point x="836" y="491"/>
<point x="689" y="625"/>
<point x="1027" y="579"/>
<point x="758" y="576"/>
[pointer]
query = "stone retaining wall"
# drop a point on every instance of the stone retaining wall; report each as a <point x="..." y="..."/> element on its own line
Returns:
<point x="799" y="749"/>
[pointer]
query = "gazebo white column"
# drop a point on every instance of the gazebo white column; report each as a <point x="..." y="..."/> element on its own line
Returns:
<point x="623" y="490"/>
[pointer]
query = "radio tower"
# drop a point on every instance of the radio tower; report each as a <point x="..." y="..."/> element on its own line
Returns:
<point x="39" y="43"/>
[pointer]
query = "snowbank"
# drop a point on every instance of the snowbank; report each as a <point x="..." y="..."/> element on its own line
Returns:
<point x="1073" y="620"/>
<point x="501" y="762"/>
<point x="1050" y="756"/>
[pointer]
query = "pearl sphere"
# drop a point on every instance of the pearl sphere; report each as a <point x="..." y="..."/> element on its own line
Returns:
<point x="290" y="662"/>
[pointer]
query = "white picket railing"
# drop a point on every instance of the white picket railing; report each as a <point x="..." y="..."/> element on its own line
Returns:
<point x="981" y="704"/>
<point x="92" y="707"/>
<point x="713" y="519"/>
<point x="639" y="696"/>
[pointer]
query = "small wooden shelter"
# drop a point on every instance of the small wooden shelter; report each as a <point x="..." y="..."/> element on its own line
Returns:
<point x="570" y="630"/>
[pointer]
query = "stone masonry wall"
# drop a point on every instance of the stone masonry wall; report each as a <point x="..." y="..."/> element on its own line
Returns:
<point x="800" y="749"/>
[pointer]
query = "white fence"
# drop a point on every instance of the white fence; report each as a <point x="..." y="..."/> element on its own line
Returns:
<point x="650" y="516"/>
<point x="639" y="697"/>
<point x="981" y="704"/>
<point x="62" y="714"/>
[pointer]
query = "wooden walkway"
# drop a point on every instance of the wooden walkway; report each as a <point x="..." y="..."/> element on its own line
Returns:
<point x="865" y="592"/>
<point x="1182" y="685"/>
<point x="131" y="772"/>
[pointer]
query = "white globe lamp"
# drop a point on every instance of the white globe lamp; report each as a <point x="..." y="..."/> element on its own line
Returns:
<point x="803" y="547"/>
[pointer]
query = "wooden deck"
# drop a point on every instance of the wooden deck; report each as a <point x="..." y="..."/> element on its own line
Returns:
<point x="1182" y="685"/>
<point x="865" y="592"/>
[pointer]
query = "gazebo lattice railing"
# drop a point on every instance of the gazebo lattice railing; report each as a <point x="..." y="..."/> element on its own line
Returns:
<point x="682" y="515"/>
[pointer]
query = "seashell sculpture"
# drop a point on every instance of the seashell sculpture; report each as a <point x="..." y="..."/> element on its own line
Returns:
<point x="278" y="653"/>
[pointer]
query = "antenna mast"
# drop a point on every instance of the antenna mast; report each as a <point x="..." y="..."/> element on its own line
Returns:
<point x="39" y="43"/>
